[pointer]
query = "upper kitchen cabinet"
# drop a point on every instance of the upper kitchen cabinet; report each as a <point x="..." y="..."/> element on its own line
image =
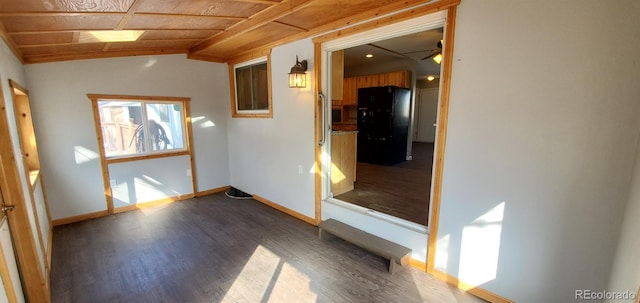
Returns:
<point x="370" y="81"/>
<point x="351" y="85"/>
<point x="350" y="92"/>
<point x="337" y="77"/>
<point x="400" y="79"/>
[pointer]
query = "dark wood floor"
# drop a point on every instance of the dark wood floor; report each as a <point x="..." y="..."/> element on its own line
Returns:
<point x="402" y="190"/>
<point x="216" y="249"/>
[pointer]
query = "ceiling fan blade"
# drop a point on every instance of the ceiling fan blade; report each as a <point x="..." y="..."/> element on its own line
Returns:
<point x="433" y="54"/>
<point x="389" y="50"/>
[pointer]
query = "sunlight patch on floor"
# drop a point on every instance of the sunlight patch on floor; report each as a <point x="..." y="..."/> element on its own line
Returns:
<point x="267" y="278"/>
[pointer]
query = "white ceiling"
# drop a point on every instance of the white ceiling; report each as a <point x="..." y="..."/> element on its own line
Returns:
<point x="401" y="51"/>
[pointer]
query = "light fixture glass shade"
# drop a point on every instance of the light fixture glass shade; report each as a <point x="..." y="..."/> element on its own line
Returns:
<point x="431" y="78"/>
<point x="297" y="76"/>
<point x="437" y="58"/>
<point x="298" y="80"/>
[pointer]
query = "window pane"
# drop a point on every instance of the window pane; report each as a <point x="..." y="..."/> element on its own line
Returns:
<point x="243" y="88"/>
<point x="121" y="124"/>
<point x="260" y="87"/>
<point x="138" y="127"/>
<point x="165" y="126"/>
<point x="252" y="90"/>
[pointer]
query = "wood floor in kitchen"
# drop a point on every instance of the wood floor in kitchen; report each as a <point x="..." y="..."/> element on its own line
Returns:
<point x="217" y="249"/>
<point x="402" y="190"/>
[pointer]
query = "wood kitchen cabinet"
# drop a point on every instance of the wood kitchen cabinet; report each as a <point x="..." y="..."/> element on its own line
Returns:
<point x="337" y="75"/>
<point x="369" y="81"/>
<point x="350" y="91"/>
<point x="351" y="85"/>
<point x="343" y="161"/>
<point x="400" y="79"/>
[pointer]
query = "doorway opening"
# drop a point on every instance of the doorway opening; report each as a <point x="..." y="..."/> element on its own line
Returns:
<point x="384" y="110"/>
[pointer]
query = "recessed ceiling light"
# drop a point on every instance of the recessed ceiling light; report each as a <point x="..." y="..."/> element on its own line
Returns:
<point x="369" y="55"/>
<point x="109" y="36"/>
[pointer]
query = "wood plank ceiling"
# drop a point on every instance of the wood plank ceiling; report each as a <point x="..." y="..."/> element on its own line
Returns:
<point x="215" y="30"/>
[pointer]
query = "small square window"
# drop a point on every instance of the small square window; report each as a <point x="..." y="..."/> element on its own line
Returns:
<point x="251" y="88"/>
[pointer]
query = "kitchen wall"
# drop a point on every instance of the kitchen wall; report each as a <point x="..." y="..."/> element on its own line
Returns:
<point x="65" y="128"/>
<point x="541" y="140"/>
<point x="274" y="158"/>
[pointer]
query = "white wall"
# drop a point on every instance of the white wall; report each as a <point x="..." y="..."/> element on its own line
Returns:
<point x="543" y="127"/>
<point x="65" y="129"/>
<point x="149" y="180"/>
<point x="625" y="274"/>
<point x="264" y="154"/>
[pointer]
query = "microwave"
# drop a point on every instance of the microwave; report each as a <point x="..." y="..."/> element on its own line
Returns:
<point x="336" y="115"/>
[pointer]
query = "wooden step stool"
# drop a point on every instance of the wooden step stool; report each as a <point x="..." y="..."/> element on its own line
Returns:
<point x="396" y="253"/>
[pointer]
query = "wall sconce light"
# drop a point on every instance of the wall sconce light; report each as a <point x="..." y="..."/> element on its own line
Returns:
<point x="297" y="76"/>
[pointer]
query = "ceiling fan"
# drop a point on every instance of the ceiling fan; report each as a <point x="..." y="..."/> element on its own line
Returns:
<point x="437" y="54"/>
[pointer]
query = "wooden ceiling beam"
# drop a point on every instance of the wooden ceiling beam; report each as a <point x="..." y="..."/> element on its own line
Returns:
<point x="31" y="59"/>
<point x="125" y="19"/>
<point x="191" y="16"/>
<point x="275" y="12"/>
<point x="428" y="8"/>
<point x="59" y="14"/>
<point x="298" y="28"/>
<point x="269" y="2"/>
<point x="83" y="30"/>
<point x="412" y="8"/>
<point x="73" y="43"/>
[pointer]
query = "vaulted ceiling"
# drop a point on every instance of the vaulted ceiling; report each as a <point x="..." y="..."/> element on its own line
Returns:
<point x="214" y="30"/>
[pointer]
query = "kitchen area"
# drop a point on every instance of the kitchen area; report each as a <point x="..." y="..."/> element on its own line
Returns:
<point x="345" y="115"/>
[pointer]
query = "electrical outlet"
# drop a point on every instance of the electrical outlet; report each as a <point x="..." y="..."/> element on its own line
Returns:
<point x="188" y="172"/>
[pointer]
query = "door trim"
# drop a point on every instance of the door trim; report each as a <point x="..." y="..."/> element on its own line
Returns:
<point x="34" y="283"/>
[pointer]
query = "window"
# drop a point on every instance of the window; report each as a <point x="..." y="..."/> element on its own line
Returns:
<point x="133" y="127"/>
<point x="250" y="88"/>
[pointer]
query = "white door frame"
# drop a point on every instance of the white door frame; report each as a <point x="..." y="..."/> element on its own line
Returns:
<point x="407" y="233"/>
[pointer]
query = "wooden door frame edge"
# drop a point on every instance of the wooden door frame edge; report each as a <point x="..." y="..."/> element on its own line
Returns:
<point x="34" y="283"/>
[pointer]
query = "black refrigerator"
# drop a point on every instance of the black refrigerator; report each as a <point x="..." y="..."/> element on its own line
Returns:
<point x="383" y="124"/>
